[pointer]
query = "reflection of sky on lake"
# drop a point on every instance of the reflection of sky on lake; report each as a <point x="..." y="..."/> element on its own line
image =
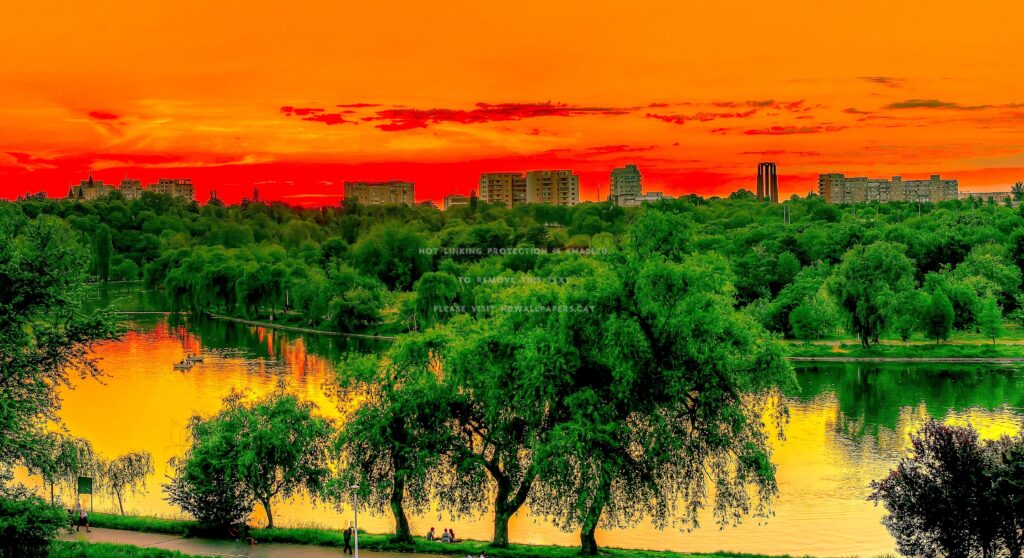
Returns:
<point x="848" y="425"/>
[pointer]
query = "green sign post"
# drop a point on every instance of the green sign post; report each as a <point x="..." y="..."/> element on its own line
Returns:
<point x="85" y="487"/>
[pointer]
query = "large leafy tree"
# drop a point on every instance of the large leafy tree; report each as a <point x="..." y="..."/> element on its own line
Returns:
<point x="663" y="397"/>
<point x="272" y="448"/>
<point x="939" y="498"/>
<point x="45" y="335"/>
<point x="868" y="284"/>
<point x="393" y="439"/>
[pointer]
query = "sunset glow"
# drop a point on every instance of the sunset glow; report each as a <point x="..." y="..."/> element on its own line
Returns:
<point x="295" y="98"/>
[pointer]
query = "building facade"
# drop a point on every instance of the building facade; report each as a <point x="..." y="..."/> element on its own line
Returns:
<point x="625" y="181"/>
<point x="767" y="182"/>
<point x="180" y="188"/>
<point x="554" y="187"/>
<point x="836" y="188"/>
<point x="507" y="188"/>
<point x="381" y="193"/>
<point x="452" y="200"/>
<point x="630" y="200"/>
<point x="131" y="189"/>
<point x="89" y="189"/>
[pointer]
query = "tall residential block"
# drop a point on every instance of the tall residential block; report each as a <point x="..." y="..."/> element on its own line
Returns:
<point x="767" y="182"/>
<point x="175" y="187"/>
<point x="836" y="188"/>
<point x="555" y="187"/>
<point x="626" y="181"/>
<point x="391" y="192"/>
<point x="508" y="188"/>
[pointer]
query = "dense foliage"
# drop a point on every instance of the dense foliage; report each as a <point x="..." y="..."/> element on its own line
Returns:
<point x="251" y="451"/>
<point x="862" y="271"/>
<point x="955" y="495"/>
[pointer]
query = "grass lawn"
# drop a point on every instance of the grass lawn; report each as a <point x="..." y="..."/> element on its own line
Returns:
<point x="68" y="549"/>
<point x="377" y="542"/>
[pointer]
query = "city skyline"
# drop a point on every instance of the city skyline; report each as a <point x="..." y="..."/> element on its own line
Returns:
<point x="688" y="94"/>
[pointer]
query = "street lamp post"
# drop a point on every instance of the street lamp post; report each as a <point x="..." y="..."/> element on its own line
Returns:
<point x="355" y="509"/>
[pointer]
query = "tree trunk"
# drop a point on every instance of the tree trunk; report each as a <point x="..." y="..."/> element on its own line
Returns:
<point x="52" y="496"/>
<point x="588" y="543"/>
<point x="507" y="503"/>
<point x="270" y="515"/>
<point x="120" y="506"/>
<point x="402" y="533"/>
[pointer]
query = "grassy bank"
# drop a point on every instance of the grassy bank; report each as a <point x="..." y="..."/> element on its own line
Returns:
<point x="853" y="349"/>
<point x="68" y="549"/>
<point x="377" y="542"/>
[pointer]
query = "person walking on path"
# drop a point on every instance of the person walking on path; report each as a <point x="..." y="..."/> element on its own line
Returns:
<point x="348" y="540"/>
<point x="83" y="518"/>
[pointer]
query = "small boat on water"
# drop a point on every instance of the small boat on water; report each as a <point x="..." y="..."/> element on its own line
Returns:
<point x="194" y="358"/>
<point x="183" y="365"/>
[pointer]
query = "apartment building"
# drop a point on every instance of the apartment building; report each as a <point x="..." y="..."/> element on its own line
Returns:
<point x="380" y="193"/>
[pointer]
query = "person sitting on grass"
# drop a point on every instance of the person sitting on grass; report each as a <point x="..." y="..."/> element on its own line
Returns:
<point x="451" y="533"/>
<point x="446" y="537"/>
<point x="430" y="534"/>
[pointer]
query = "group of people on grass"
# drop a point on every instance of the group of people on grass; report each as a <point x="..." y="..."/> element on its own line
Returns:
<point x="447" y="537"/>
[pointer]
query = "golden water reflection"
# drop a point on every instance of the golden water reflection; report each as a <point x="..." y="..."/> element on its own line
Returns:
<point x="825" y="463"/>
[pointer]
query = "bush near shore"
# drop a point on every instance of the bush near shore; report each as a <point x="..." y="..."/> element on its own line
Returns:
<point x="378" y="542"/>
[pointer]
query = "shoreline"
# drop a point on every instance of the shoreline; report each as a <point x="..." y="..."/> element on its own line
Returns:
<point x="943" y="360"/>
<point x="298" y="329"/>
<point x="376" y="542"/>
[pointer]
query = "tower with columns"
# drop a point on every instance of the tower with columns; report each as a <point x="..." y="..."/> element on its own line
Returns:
<point x="767" y="182"/>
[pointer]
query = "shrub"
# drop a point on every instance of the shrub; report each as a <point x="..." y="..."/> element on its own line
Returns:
<point x="27" y="526"/>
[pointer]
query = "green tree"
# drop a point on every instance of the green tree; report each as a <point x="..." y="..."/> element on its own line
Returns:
<point x="274" y="447"/>
<point x="679" y="373"/>
<point x="435" y="292"/>
<point x="391" y="442"/>
<point x="394" y="255"/>
<point x="938" y="317"/>
<point x="45" y="335"/>
<point x="868" y="283"/>
<point x="126" y="473"/>
<point x="103" y="252"/>
<point x="1018" y="190"/>
<point x="990" y="319"/>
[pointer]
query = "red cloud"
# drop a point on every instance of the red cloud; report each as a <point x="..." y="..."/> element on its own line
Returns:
<point x="406" y="118"/>
<point x="103" y="115"/>
<point x="316" y="115"/>
<point x="700" y="116"/>
<point x="790" y="130"/>
<point x="783" y="152"/>
<point x="791" y="106"/>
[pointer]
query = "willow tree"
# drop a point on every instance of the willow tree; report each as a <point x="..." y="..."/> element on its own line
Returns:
<point x="393" y="432"/>
<point x="126" y="474"/>
<point x="662" y="395"/>
<point x="504" y="368"/>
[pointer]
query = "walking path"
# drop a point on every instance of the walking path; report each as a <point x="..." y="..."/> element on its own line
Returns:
<point x="215" y="547"/>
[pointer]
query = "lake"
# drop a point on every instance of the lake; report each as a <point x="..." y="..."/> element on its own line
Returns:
<point x="849" y="423"/>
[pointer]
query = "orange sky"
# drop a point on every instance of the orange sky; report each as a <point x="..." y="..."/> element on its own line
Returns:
<point x="694" y="93"/>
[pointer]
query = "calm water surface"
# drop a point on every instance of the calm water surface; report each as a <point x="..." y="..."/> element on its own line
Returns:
<point x="849" y="424"/>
